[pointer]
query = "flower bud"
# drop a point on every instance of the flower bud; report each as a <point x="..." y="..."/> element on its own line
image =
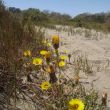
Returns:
<point x="55" y="41"/>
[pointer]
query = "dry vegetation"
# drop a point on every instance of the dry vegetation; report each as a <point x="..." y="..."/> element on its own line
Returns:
<point x="27" y="60"/>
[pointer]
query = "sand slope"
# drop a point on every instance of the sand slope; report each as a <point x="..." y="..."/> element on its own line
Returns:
<point x="96" y="46"/>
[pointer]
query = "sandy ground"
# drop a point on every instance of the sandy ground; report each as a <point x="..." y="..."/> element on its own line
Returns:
<point x="96" y="46"/>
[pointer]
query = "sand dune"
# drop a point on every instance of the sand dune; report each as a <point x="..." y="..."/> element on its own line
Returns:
<point x="96" y="46"/>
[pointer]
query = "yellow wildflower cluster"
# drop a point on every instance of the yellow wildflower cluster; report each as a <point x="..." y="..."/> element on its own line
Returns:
<point x="50" y="65"/>
<point x="47" y="56"/>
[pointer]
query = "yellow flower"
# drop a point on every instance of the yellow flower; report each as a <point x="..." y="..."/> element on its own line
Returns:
<point x="27" y="53"/>
<point x="45" y="85"/>
<point x="43" y="52"/>
<point x="62" y="64"/>
<point x="63" y="57"/>
<point x="76" y="104"/>
<point x="49" y="44"/>
<point x="37" y="61"/>
<point x="55" y="39"/>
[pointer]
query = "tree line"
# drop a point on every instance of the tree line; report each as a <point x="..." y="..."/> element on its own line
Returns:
<point x="99" y="21"/>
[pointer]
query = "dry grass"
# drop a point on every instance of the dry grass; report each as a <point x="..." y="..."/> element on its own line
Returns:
<point x="15" y="37"/>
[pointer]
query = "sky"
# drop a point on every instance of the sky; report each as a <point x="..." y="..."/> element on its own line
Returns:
<point x="71" y="7"/>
